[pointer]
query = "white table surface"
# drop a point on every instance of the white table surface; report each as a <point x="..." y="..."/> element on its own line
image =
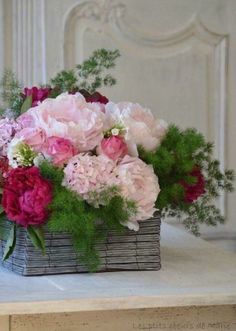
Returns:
<point x="194" y="272"/>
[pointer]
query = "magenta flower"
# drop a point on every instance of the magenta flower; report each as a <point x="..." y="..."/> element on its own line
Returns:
<point x="38" y="94"/>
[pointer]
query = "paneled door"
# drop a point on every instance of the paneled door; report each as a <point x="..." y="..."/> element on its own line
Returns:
<point x="178" y="59"/>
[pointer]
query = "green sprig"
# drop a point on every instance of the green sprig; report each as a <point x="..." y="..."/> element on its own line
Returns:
<point x="11" y="94"/>
<point x="90" y="75"/>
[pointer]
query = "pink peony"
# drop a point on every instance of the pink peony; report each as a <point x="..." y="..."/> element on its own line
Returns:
<point x="86" y="174"/>
<point x="60" y="150"/>
<point x="26" y="196"/>
<point x="38" y="94"/>
<point x="138" y="183"/>
<point x="34" y="137"/>
<point x="141" y="126"/>
<point x="70" y="117"/>
<point x="8" y="128"/>
<point x="114" y="147"/>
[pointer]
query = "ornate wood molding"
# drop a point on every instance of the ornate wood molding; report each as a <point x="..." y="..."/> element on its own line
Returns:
<point x="110" y="18"/>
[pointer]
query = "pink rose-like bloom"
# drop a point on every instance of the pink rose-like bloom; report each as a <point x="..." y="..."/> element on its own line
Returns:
<point x="141" y="126"/>
<point x="34" y="137"/>
<point x="69" y="116"/>
<point x="114" y="147"/>
<point x="38" y="94"/>
<point x="85" y="174"/>
<point x="60" y="150"/>
<point x="138" y="183"/>
<point x="8" y="128"/>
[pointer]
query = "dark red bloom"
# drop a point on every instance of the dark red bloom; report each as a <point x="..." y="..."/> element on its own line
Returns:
<point x="38" y="94"/>
<point x="194" y="191"/>
<point x="4" y="167"/>
<point x="26" y="195"/>
<point x="97" y="97"/>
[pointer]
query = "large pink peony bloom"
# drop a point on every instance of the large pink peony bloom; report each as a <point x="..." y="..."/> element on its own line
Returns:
<point x="8" y="128"/>
<point x="69" y="116"/>
<point x="138" y="183"/>
<point x="86" y="174"/>
<point x="142" y="128"/>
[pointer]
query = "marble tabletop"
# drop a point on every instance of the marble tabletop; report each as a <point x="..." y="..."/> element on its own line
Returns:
<point x="194" y="272"/>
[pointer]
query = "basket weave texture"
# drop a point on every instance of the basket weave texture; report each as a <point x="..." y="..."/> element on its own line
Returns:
<point x="128" y="251"/>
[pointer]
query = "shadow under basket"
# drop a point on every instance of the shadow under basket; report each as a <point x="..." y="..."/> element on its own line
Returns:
<point x="128" y="251"/>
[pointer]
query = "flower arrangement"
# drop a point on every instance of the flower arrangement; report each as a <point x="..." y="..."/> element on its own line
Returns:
<point x="76" y="162"/>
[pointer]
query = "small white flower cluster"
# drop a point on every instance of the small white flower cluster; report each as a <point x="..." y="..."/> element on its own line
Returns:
<point x="21" y="154"/>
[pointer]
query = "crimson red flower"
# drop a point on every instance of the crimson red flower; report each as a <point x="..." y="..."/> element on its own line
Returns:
<point x="38" y="94"/>
<point x="97" y="97"/>
<point x="194" y="191"/>
<point x="26" y="195"/>
<point x="4" y="167"/>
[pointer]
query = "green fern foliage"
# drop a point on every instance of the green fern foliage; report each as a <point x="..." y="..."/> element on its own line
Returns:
<point x="90" y="75"/>
<point x="179" y="152"/>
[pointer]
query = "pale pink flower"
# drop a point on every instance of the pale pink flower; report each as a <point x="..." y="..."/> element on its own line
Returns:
<point x="114" y="147"/>
<point x="59" y="150"/>
<point x="142" y="128"/>
<point x="69" y="116"/>
<point x="86" y="174"/>
<point x="8" y="128"/>
<point x="34" y="137"/>
<point x="25" y="120"/>
<point x="138" y="183"/>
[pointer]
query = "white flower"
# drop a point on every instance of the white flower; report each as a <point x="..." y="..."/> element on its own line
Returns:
<point x="20" y="154"/>
<point x="115" y="131"/>
<point x="38" y="159"/>
<point x="142" y="128"/>
<point x="12" y="151"/>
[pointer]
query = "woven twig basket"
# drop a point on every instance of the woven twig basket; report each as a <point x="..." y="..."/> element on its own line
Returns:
<point x="129" y="251"/>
